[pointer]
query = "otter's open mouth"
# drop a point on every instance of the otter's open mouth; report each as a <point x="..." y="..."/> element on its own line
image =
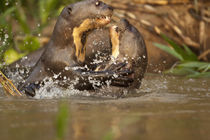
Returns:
<point x="86" y="25"/>
<point x="103" y="20"/>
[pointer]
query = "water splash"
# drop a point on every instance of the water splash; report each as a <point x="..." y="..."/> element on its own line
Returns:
<point x="52" y="89"/>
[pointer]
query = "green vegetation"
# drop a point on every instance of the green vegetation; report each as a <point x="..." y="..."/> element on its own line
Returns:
<point x="109" y="135"/>
<point x="188" y="64"/>
<point x="22" y="23"/>
<point x="62" y="121"/>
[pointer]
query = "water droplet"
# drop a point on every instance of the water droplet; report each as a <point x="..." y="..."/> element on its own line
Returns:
<point x="55" y="76"/>
<point x="6" y="36"/>
<point x="17" y="66"/>
<point x="67" y="68"/>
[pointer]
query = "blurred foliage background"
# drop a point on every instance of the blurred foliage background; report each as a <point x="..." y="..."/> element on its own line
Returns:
<point x="22" y="23"/>
<point x="188" y="63"/>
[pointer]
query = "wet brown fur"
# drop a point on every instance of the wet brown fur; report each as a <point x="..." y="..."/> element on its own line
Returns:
<point x="115" y="41"/>
<point x="127" y="46"/>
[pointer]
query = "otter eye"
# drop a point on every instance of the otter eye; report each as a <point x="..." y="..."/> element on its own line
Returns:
<point x="69" y="10"/>
<point x="97" y="3"/>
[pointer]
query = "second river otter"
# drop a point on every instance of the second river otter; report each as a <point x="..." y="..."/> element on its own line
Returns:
<point x="124" y="44"/>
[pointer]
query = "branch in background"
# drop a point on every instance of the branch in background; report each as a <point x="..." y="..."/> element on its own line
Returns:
<point x="187" y="40"/>
<point x="160" y="2"/>
<point x="204" y="54"/>
<point x="154" y="29"/>
<point x="172" y="22"/>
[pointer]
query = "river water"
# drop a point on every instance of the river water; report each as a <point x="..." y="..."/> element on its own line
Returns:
<point x="166" y="108"/>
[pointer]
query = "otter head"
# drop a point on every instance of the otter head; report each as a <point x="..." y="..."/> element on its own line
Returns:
<point x="75" y="14"/>
<point x="89" y="9"/>
<point x="128" y="42"/>
<point x="93" y="15"/>
<point x="122" y="26"/>
<point x="121" y="34"/>
<point x="87" y="15"/>
<point x="115" y="32"/>
<point x="76" y="19"/>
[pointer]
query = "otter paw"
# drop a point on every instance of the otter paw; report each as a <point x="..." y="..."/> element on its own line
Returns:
<point x="31" y="89"/>
<point x="116" y="67"/>
<point x="124" y="72"/>
<point x="122" y="81"/>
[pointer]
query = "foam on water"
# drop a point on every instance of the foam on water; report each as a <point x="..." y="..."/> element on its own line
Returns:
<point x="51" y="89"/>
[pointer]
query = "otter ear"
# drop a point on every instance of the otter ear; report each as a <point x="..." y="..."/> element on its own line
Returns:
<point x="124" y="21"/>
<point x="123" y="24"/>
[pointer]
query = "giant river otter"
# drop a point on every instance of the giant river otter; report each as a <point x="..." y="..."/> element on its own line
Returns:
<point x="124" y="44"/>
<point x="130" y="49"/>
<point x="65" y="53"/>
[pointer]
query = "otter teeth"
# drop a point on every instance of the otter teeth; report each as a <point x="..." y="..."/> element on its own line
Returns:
<point x="107" y="18"/>
<point x="114" y="27"/>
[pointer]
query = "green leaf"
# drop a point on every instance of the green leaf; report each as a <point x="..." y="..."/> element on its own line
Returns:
<point x="205" y="67"/>
<point x="108" y="136"/>
<point x="181" y="71"/>
<point x="62" y="121"/>
<point x="176" y="47"/>
<point x="193" y="64"/>
<point x="186" y="53"/>
<point x="21" y="18"/>
<point x="189" y="64"/>
<point x="46" y="8"/>
<point x="200" y="75"/>
<point x="191" y="55"/>
<point x="3" y="16"/>
<point x="11" y="55"/>
<point x="9" y="11"/>
<point x="29" y="44"/>
<point x="169" y="50"/>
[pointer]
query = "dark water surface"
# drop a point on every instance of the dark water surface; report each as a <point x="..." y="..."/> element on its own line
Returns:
<point x="167" y="108"/>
